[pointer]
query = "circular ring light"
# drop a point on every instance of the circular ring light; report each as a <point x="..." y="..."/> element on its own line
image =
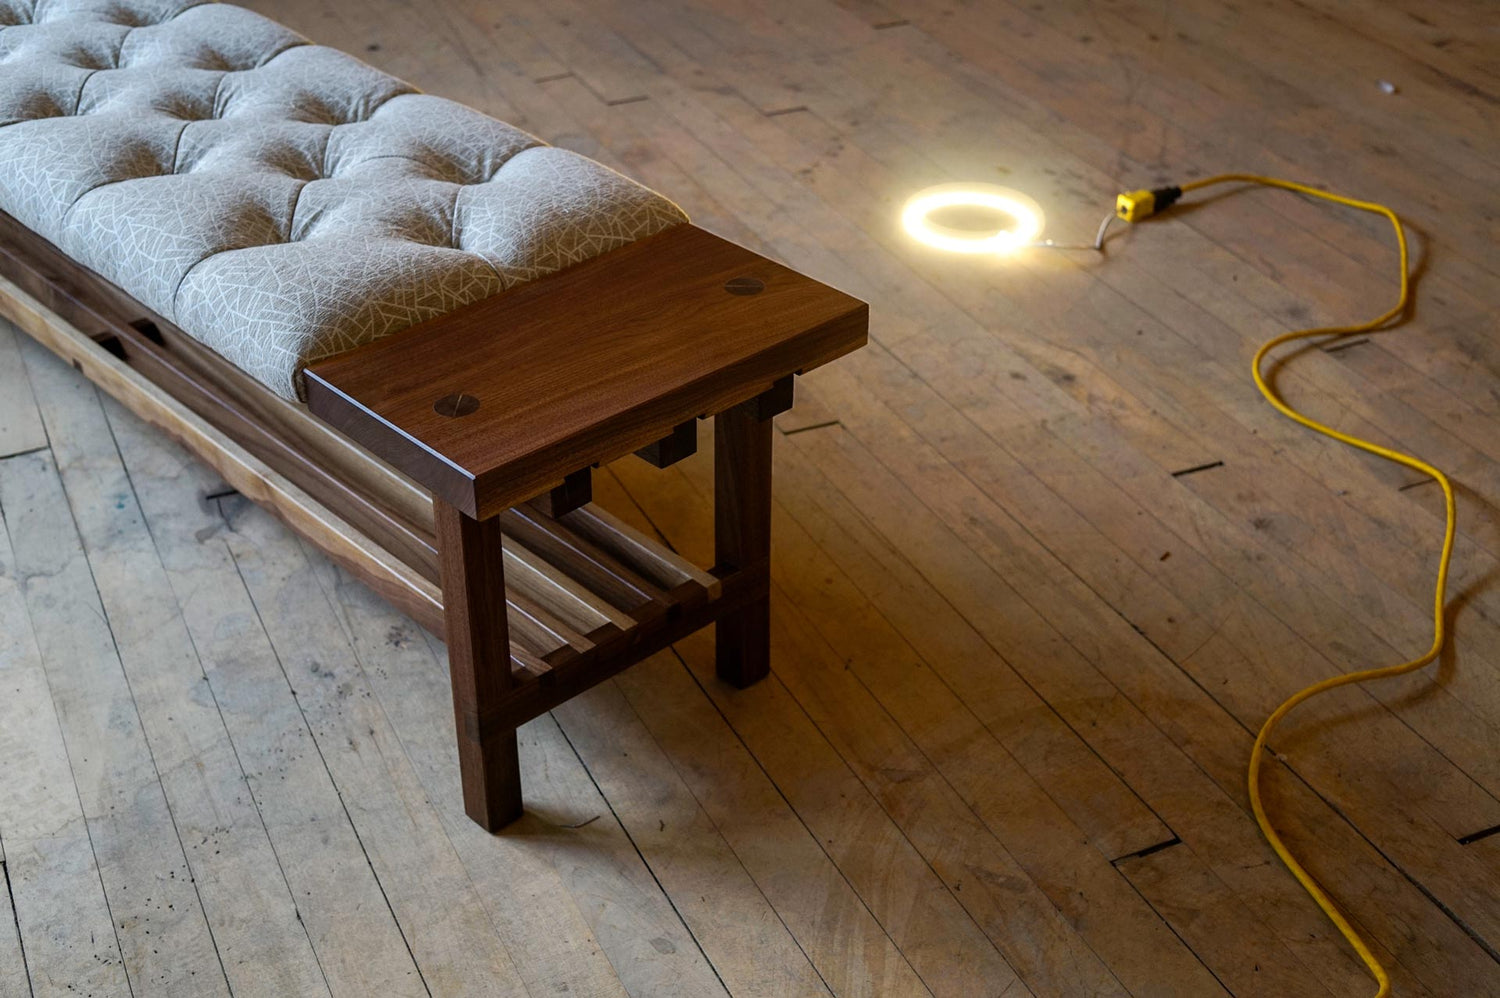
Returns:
<point x="1025" y="216"/>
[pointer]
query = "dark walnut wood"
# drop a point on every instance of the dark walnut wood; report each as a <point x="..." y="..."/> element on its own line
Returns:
<point x="742" y="536"/>
<point x="581" y="367"/>
<point x="681" y="443"/>
<point x="474" y="608"/>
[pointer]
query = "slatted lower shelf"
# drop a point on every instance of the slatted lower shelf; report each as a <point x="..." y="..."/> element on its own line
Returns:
<point x="587" y="580"/>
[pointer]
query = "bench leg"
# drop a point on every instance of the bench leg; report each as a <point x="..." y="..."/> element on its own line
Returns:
<point x="742" y="536"/>
<point x="479" y="659"/>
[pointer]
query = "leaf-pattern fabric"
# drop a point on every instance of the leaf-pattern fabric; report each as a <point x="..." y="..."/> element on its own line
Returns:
<point x="279" y="201"/>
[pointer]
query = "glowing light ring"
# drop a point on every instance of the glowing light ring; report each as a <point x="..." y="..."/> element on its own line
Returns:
<point x="1021" y="209"/>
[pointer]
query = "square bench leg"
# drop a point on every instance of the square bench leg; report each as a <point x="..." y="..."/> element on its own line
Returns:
<point x="478" y="637"/>
<point x="742" y="536"/>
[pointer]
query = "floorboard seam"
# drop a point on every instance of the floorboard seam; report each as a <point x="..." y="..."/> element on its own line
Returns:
<point x="218" y="708"/>
<point x="10" y="895"/>
<point x="312" y="735"/>
<point x="639" y="854"/>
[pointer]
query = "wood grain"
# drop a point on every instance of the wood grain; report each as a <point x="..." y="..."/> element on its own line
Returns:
<point x="225" y="843"/>
<point x="20" y="423"/>
<point x="371" y="496"/>
<point x="479" y="663"/>
<point x="387" y="574"/>
<point x="990" y="688"/>
<point x="581" y="367"/>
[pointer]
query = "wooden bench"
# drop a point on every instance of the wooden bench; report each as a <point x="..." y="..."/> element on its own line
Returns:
<point x="448" y="466"/>
<point x="217" y="220"/>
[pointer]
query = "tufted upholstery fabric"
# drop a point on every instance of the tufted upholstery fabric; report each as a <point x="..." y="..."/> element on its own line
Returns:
<point x="277" y="200"/>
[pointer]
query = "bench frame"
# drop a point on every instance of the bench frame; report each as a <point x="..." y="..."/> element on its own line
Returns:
<point x="479" y="529"/>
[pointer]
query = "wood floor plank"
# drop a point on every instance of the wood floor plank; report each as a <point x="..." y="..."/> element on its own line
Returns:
<point x="1019" y="661"/>
<point x="744" y="930"/>
<point x="20" y="424"/>
<point x="636" y="924"/>
<point x="872" y="744"/>
<point x="1199" y="906"/>
<point x="164" y="938"/>
<point x="15" y="979"/>
<point x="817" y="893"/>
<point x="1467" y="823"/>
<point x="54" y="890"/>
<point x="1148" y="766"/>
<point x="258" y="936"/>
<point x="1229" y="837"/>
<point x="443" y="927"/>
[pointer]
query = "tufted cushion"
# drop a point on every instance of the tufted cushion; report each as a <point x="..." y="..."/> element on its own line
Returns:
<point x="279" y="201"/>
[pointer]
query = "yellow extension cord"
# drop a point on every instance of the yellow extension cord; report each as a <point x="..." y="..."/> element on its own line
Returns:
<point x="1141" y="204"/>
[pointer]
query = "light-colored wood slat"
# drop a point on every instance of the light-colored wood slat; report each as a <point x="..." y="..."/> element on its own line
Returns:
<point x="268" y="706"/>
<point x="164" y="937"/>
<point x="552" y="589"/>
<point x="568" y="848"/>
<point x="256" y="931"/>
<point x="53" y="881"/>
<point x="20" y="423"/>
<point x="652" y="560"/>
<point x="583" y="562"/>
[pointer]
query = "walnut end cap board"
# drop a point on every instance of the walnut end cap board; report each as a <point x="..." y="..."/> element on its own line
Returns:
<point x="498" y="401"/>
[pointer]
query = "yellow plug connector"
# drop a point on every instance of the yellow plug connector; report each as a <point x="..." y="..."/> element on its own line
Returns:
<point x="1136" y="205"/>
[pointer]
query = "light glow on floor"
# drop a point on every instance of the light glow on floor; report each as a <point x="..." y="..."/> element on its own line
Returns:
<point x="1024" y="216"/>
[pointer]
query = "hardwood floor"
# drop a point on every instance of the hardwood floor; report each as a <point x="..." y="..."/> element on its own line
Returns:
<point x="1043" y="558"/>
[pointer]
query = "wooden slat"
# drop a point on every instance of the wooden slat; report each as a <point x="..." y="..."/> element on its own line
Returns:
<point x="575" y="605"/>
<point x="581" y="561"/>
<point x="534" y="631"/>
<point x="645" y="556"/>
